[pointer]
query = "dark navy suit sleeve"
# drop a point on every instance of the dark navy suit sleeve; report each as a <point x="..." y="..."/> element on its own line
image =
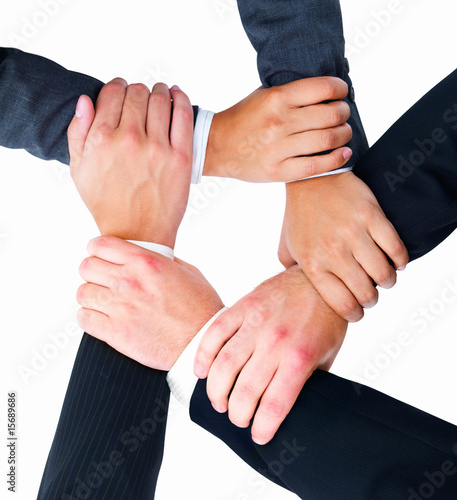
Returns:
<point x="343" y="440"/>
<point x="297" y="39"/>
<point x="37" y="103"/>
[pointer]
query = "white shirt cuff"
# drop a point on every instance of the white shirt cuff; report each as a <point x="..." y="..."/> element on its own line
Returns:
<point x="181" y="378"/>
<point x="155" y="247"/>
<point x="201" y="136"/>
<point x="325" y="174"/>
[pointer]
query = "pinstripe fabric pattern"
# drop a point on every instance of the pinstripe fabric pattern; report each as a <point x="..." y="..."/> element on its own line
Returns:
<point x="110" y="437"/>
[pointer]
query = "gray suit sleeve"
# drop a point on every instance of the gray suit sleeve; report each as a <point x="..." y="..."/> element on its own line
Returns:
<point x="297" y="39"/>
<point x="37" y="103"/>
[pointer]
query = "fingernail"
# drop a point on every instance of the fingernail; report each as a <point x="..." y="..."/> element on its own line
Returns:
<point x="199" y="371"/>
<point x="219" y="409"/>
<point x="175" y="87"/>
<point x="402" y="268"/>
<point x="347" y="154"/>
<point x="80" y="108"/>
<point x="260" y="442"/>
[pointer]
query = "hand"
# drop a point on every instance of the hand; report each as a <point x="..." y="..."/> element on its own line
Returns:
<point x="265" y="348"/>
<point x="336" y="231"/>
<point x="131" y="170"/>
<point x="142" y="304"/>
<point x="272" y="134"/>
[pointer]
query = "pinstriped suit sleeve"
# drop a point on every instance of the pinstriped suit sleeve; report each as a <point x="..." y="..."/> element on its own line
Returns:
<point x="110" y="437"/>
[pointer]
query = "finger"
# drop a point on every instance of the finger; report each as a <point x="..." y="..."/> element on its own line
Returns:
<point x="182" y="125"/>
<point x="223" y="329"/>
<point x="226" y="367"/>
<point x="355" y="278"/>
<point x="94" y="323"/>
<point x="337" y="296"/>
<point x="387" y="238"/>
<point x="95" y="297"/>
<point x="115" y="250"/>
<point x="375" y="263"/>
<point x="319" y="116"/>
<point x="249" y="387"/>
<point x="108" y="109"/>
<point x="159" y="114"/>
<point x="99" y="272"/>
<point x="318" y="141"/>
<point x="276" y="403"/>
<point x="314" y="90"/>
<point x="79" y="129"/>
<point x="297" y="168"/>
<point x="135" y="109"/>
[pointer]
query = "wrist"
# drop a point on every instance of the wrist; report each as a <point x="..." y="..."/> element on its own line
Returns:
<point x="219" y="162"/>
<point x="161" y="237"/>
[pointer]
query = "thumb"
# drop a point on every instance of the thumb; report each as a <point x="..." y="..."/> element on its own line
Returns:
<point x="79" y="130"/>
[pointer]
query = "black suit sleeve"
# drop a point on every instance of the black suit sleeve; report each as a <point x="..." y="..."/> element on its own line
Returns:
<point x="345" y="441"/>
<point x="297" y="39"/>
<point x="37" y="103"/>
<point x="110" y="438"/>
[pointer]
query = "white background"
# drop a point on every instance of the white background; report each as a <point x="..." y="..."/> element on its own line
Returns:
<point x="232" y="232"/>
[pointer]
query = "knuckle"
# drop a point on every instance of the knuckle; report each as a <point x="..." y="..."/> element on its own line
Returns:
<point x="312" y="167"/>
<point x="369" y="298"/>
<point x="100" y="243"/>
<point x="244" y="392"/>
<point x="349" y="308"/>
<point x="138" y="89"/>
<point x="279" y="336"/>
<point x="273" y="407"/>
<point x="386" y="276"/>
<point x="225" y="359"/>
<point x="131" y="139"/>
<point x="335" y="248"/>
<point x="117" y="85"/>
<point x="397" y="249"/>
<point x="338" y="114"/>
<point x="347" y="130"/>
<point x="80" y="294"/>
<point x="160" y="99"/>
<point x="84" y="267"/>
<point x="328" y="88"/>
<point x="301" y="358"/>
<point x="149" y="263"/>
<point x="328" y="138"/>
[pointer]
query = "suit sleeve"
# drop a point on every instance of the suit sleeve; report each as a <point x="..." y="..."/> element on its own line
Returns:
<point x="344" y="441"/>
<point x="37" y="103"/>
<point x="297" y="39"/>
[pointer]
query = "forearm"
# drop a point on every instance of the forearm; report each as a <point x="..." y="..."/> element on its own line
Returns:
<point x="37" y="103"/>
<point x="297" y="39"/>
